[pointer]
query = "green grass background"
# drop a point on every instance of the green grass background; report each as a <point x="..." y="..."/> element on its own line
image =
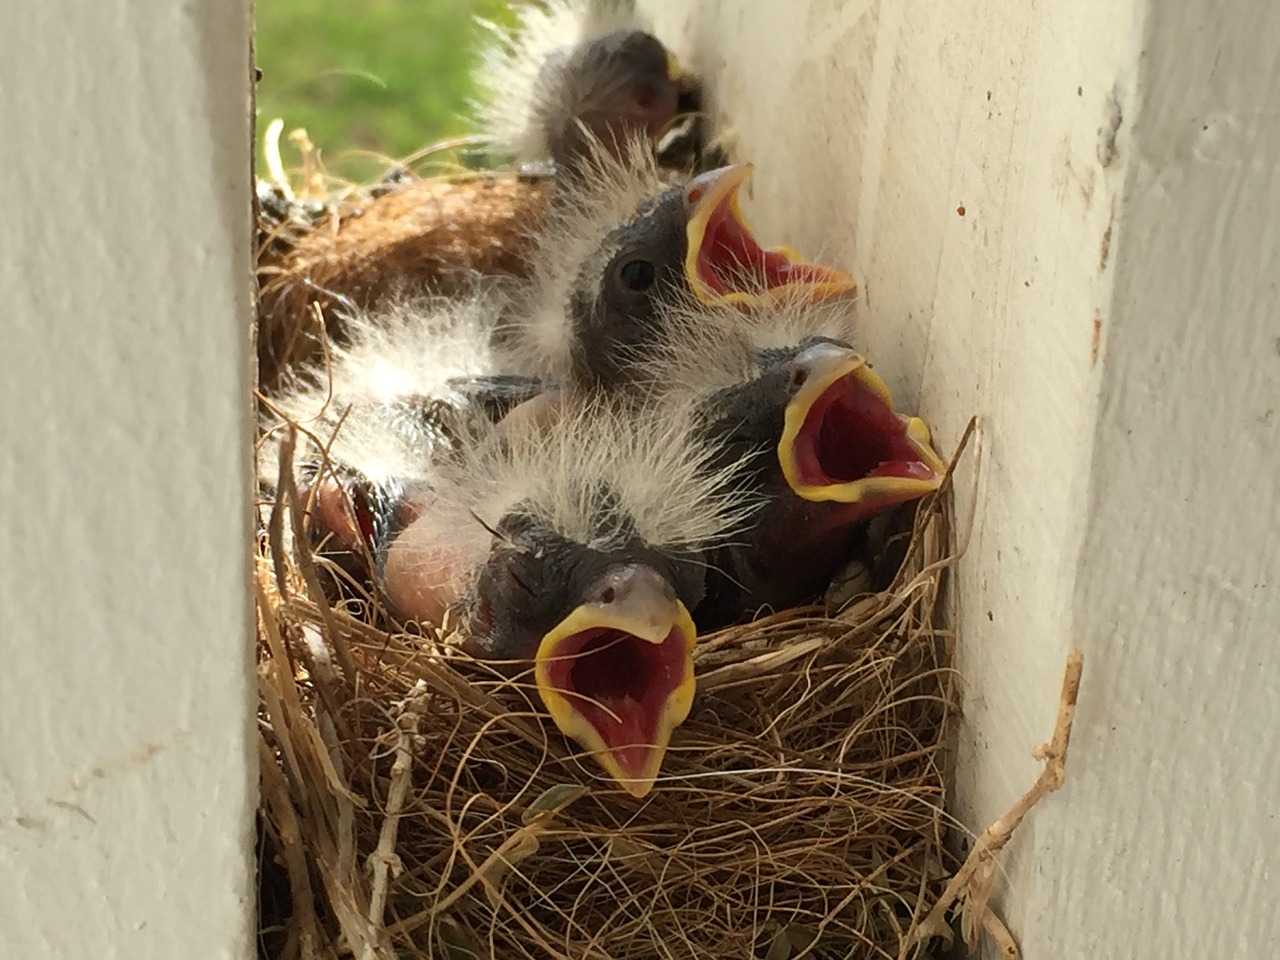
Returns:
<point x="380" y="76"/>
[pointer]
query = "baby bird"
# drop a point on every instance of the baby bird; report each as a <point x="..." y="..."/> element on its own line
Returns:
<point x="574" y="541"/>
<point x="417" y="382"/>
<point x="574" y="74"/>
<point x="812" y="430"/>
<point x="619" y="243"/>
<point x="580" y="549"/>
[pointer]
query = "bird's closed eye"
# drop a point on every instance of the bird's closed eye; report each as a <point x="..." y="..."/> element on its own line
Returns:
<point x="518" y="582"/>
<point x="637" y="275"/>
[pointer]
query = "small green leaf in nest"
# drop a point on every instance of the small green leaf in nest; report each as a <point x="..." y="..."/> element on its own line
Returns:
<point x="551" y="801"/>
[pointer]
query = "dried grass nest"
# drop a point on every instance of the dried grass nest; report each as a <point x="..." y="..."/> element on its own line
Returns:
<point x="416" y="804"/>
<point x="325" y="245"/>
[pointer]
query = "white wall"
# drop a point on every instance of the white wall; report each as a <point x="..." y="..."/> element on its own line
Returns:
<point x="1108" y="304"/>
<point x="126" y="778"/>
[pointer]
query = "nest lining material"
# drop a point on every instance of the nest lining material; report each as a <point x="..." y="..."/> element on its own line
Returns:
<point x="422" y="806"/>
<point x="325" y="244"/>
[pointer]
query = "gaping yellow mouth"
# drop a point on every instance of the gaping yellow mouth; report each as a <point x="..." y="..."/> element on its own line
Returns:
<point x="725" y="264"/>
<point x="843" y="441"/>
<point x="616" y="675"/>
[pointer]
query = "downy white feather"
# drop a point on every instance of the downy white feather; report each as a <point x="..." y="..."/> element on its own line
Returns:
<point x="591" y="202"/>
<point x="511" y="111"/>
<point x="598" y="476"/>
<point x="707" y="348"/>
<point x="408" y="347"/>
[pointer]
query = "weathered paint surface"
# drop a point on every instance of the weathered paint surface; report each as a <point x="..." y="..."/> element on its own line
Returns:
<point x="126" y="777"/>
<point x="1064" y="220"/>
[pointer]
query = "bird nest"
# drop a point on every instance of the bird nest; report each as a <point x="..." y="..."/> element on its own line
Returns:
<point x="418" y="804"/>
<point x="325" y="245"/>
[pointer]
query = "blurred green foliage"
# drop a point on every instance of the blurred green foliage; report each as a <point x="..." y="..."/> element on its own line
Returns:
<point x="368" y="76"/>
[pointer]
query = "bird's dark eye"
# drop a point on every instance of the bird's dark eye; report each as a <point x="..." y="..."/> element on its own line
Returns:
<point x="646" y="97"/>
<point x="638" y="275"/>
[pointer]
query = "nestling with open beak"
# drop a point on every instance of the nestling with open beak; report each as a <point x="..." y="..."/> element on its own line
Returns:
<point x="812" y="429"/>
<point x="619" y="245"/>
<point x="579" y="550"/>
<point x="572" y="72"/>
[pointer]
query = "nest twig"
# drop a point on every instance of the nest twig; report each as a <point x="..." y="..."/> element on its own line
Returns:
<point x="970" y="888"/>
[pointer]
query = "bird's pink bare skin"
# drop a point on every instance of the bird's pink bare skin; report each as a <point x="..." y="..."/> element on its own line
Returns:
<point x="533" y="414"/>
<point x="422" y="578"/>
<point x="334" y="515"/>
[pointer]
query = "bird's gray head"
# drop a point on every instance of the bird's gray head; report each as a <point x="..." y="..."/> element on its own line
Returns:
<point x="608" y="632"/>
<point x="606" y="91"/>
<point x="615" y="303"/>
<point x="536" y="577"/>
<point x="689" y="244"/>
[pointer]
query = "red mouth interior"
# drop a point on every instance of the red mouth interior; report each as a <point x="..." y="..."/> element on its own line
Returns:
<point x="730" y="260"/>
<point x="620" y="684"/>
<point x="851" y="434"/>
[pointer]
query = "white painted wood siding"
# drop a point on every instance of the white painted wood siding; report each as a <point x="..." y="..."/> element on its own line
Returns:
<point x="127" y="783"/>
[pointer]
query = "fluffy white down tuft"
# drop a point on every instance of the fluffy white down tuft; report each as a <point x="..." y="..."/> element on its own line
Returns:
<point x="409" y="346"/>
<point x="595" y="464"/>
<point x="709" y="348"/>
<point x="509" y="111"/>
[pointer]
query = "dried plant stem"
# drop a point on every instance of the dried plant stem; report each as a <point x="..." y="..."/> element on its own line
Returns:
<point x="384" y="860"/>
<point x="276" y="794"/>
<point x="306" y="564"/>
<point x="972" y="883"/>
<point x="479" y="874"/>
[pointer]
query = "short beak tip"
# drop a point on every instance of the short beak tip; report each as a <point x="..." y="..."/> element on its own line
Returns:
<point x="638" y="788"/>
